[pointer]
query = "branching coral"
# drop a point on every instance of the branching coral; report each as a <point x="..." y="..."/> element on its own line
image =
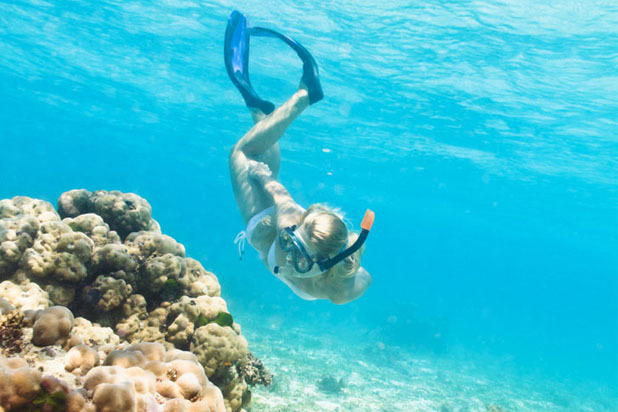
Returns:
<point x="11" y="332"/>
<point x="254" y="372"/>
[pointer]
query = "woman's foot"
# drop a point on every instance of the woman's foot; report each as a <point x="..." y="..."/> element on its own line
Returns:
<point x="311" y="76"/>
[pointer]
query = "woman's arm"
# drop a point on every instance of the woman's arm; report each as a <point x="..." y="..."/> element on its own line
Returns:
<point x="338" y="291"/>
<point x="288" y="211"/>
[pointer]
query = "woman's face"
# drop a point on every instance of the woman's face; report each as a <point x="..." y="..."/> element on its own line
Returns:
<point x="296" y="259"/>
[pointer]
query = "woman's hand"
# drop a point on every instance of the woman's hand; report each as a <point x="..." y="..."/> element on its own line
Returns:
<point x="259" y="171"/>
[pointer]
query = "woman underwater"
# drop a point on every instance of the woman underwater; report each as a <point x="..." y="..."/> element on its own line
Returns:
<point x="310" y="250"/>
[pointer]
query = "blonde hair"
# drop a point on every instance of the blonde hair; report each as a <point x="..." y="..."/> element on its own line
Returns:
<point x="329" y="235"/>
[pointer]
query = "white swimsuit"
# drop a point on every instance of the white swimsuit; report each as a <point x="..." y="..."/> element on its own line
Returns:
<point x="270" y="257"/>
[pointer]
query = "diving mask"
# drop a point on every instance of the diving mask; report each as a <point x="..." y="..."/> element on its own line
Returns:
<point x="289" y="241"/>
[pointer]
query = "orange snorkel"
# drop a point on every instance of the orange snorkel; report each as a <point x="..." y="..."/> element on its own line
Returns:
<point x="365" y="228"/>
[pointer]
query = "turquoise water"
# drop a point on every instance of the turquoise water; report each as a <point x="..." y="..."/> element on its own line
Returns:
<point x="483" y="134"/>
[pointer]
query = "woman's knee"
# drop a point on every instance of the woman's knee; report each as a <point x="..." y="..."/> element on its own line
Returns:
<point x="239" y="161"/>
<point x="232" y="154"/>
<point x="236" y="152"/>
<point x="239" y="148"/>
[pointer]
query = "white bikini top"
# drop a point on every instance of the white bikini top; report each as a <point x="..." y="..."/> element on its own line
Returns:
<point x="271" y="260"/>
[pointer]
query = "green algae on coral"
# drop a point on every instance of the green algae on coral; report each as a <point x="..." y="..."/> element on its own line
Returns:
<point x="48" y="402"/>
<point x="202" y="321"/>
<point x="171" y="290"/>
<point x="222" y="319"/>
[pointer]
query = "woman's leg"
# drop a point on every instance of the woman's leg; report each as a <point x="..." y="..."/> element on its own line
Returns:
<point x="260" y="144"/>
<point x="269" y="129"/>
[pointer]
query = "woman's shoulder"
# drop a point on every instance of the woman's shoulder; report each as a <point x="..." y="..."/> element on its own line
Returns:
<point x="288" y="213"/>
<point x="345" y="290"/>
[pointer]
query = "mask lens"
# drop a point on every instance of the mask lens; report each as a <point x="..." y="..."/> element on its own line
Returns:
<point x="301" y="263"/>
<point x="285" y="241"/>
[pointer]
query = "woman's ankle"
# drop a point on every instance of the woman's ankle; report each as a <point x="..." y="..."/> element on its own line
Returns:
<point x="302" y="96"/>
<point x="257" y="115"/>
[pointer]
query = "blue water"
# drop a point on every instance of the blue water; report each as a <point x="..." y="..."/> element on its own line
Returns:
<point x="483" y="134"/>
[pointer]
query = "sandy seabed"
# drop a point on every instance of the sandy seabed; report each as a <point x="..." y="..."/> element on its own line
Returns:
<point x="379" y="378"/>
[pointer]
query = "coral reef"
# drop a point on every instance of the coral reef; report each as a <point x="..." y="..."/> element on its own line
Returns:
<point x="98" y="284"/>
<point x="139" y="377"/>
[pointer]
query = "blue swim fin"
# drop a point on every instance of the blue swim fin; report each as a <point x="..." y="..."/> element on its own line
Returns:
<point x="236" y="55"/>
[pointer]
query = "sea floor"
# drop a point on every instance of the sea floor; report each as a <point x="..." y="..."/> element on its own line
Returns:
<point x="307" y="366"/>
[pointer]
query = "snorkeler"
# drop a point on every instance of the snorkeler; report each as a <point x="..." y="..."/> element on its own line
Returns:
<point x="311" y="250"/>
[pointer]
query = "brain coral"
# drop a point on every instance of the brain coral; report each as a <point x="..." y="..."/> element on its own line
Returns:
<point x="58" y="254"/>
<point x="52" y="326"/>
<point x="124" y="212"/>
<point x="16" y="235"/>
